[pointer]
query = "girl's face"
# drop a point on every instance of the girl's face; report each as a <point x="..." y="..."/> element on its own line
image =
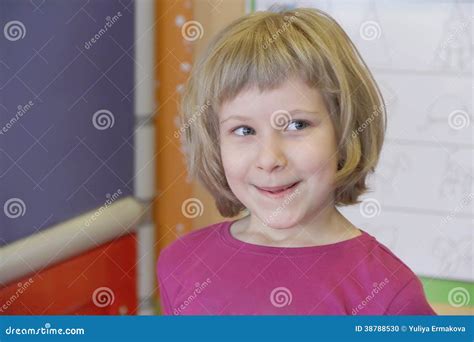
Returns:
<point x="275" y="139"/>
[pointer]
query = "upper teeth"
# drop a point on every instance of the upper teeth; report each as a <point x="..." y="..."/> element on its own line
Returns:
<point x="281" y="189"/>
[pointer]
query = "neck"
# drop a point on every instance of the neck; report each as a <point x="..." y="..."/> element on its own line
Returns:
<point x="324" y="227"/>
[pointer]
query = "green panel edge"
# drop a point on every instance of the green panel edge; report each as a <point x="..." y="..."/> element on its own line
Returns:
<point x="437" y="290"/>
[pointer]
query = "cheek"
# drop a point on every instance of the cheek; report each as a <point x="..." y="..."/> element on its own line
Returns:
<point x="234" y="162"/>
<point x="235" y="175"/>
<point x="316" y="162"/>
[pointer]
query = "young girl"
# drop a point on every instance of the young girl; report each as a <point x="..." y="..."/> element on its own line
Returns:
<point x="284" y="121"/>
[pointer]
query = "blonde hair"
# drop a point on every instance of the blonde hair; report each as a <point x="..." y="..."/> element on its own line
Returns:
<point x="264" y="49"/>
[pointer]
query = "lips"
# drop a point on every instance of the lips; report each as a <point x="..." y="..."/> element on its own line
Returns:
<point x="277" y="189"/>
<point x="278" y="192"/>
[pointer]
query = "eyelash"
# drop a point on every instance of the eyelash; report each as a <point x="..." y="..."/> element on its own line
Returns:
<point x="307" y="123"/>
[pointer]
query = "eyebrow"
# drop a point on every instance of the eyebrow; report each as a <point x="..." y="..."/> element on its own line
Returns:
<point x="247" y="118"/>
<point x="237" y="117"/>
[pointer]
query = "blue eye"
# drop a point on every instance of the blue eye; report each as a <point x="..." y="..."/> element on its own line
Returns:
<point x="245" y="130"/>
<point x="298" y="123"/>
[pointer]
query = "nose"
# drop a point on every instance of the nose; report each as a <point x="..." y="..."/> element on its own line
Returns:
<point x="271" y="155"/>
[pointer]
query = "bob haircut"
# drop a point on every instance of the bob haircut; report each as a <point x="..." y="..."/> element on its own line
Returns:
<point x="263" y="49"/>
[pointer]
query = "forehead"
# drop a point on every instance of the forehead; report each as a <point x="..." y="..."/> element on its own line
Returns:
<point x="293" y="93"/>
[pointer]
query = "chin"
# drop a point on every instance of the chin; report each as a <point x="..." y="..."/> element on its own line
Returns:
<point x="280" y="221"/>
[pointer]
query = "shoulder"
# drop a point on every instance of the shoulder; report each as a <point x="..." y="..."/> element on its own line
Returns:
<point x="383" y="259"/>
<point x="405" y="294"/>
<point x="180" y="261"/>
<point x="186" y="245"/>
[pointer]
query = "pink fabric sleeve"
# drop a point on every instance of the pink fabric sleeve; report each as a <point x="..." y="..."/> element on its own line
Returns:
<point x="410" y="300"/>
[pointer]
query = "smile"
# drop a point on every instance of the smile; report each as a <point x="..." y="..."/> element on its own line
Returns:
<point x="277" y="192"/>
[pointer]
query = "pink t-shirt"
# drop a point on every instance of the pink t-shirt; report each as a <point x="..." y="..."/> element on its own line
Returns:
<point x="210" y="272"/>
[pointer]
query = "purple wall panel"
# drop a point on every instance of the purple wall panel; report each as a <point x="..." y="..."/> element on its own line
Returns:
<point x="56" y="161"/>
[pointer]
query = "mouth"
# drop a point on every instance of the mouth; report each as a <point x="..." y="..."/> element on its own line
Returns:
<point x="278" y="191"/>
